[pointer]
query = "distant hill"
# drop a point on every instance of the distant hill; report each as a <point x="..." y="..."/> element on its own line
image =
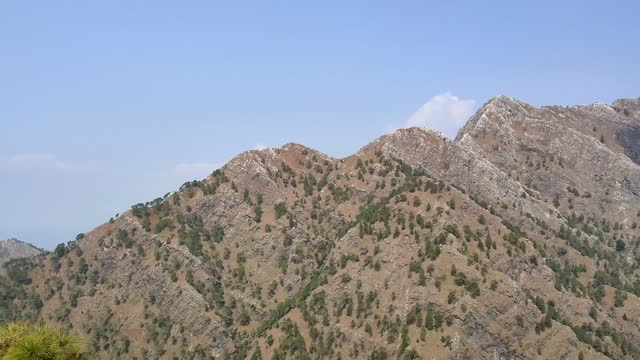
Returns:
<point x="13" y="248"/>
<point x="519" y="239"/>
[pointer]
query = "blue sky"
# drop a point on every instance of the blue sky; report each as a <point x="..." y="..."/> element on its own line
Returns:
<point x="106" y="104"/>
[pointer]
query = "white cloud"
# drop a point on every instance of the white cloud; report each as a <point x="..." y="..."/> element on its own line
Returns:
<point x="445" y="112"/>
<point x="191" y="171"/>
<point x="260" y="146"/>
<point x="34" y="161"/>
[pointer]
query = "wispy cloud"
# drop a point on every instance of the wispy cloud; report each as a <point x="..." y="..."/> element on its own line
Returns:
<point x="196" y="170"/>
<point x="444" y="112"/>
<point x="34" y="161"/>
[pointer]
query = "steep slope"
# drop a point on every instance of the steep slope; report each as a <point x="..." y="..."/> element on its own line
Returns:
<point x="629" y="136"/>
<point x="518" y="239"/>
<point x="14" y="249"/>
<point x="552" y="149"/>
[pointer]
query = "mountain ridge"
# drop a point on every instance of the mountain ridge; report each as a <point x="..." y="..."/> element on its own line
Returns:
<point x="516" y="239"/>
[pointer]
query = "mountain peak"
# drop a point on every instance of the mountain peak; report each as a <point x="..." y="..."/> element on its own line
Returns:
<point x="14" y="248"/>
<point x="412" y="136"/>
<point x="628" y="107"/>
<point x="505" y="100"/>
<point x="500" y="108"/>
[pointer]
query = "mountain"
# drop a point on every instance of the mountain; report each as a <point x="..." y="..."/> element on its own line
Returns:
<point x="13" y="248"/>
<point x="518" y="239"/>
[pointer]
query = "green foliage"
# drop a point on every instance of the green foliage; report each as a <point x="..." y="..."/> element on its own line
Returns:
<point x="280" y="209"/>
<point x="284" y="307"/>
<point x="60" y="250"/>
<point x="416" y="267"/>
<point x="338" y="194"/>
<point x="158" y="331"/>
<point x="345" y="258"/>
<point x="539" y="302"/>
<point x="378" y="354"/>
<point x="18" y="271"/>
<point x="453" y="230"/>
<point x="620" y="298"/>
<point x="452" y="204"/>
<point x="217" y="234"/>
<point x="470" y="285"/>
<point x="217" y="294"/>
<point x="83" y="267"/>
<point x="258" y="211"/>
<point x="283" y="261"/>
<point x="451" y="299"/>
<point x="162" y="224"/>
<point x="123" y="239"/>
<point x="546" y="322"/>
<point x="292" y="343"/>
<point x="22" y="341"/>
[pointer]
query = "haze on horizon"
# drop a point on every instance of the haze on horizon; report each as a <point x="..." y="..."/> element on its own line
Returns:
<point x="107" y="105"/>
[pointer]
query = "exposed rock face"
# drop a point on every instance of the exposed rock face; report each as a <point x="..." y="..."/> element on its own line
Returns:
<point x="584" y="143"/>
<point x="14" y="249"/>
<point x="629" y="136"/>
<point x="628" y="107"/>
<point x="518" y="239"/>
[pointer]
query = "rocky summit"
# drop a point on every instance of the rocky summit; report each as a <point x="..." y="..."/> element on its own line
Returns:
<point x="14" y="249"/>
<point x="518" y="239"/>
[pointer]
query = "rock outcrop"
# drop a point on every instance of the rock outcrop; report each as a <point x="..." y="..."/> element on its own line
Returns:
<point x="15" y="249"/>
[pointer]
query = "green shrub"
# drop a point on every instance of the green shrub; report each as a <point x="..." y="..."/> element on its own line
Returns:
<point x="26" y="341"/>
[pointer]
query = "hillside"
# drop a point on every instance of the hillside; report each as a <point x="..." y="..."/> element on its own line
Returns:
<point x="13" y="249"/>
<point x="518" y="239"/>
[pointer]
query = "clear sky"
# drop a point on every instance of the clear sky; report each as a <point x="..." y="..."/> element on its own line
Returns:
<point x="104" y="104"/>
